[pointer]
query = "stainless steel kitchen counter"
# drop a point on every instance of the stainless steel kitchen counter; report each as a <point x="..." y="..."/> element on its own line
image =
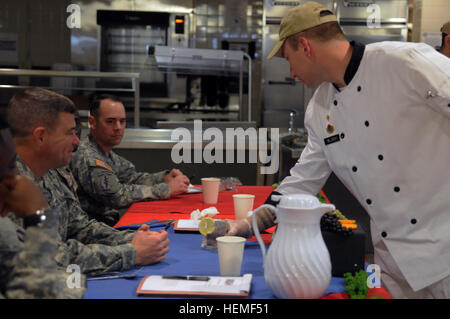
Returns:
<point x="147" y="138"/>
<point x="162" y="139"/>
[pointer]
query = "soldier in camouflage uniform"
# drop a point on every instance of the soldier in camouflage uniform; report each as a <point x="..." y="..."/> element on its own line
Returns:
<point x="65" y="174"/>
<point x="108" y="181"/>
<point x="27" y="262"/>
<point x="109" y="216"/>
<point x="43" y="145"/>
<point x="27" y="265"/>
<point x="92" y="245"/>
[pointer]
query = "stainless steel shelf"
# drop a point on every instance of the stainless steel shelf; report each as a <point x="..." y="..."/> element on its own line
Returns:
<point x="133" y="77"/>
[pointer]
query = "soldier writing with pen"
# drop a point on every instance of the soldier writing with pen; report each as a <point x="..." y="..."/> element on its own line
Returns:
<point x="107" y="180"/>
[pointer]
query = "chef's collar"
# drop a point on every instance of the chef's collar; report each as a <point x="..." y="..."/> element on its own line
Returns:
<point x="353" y="65"/>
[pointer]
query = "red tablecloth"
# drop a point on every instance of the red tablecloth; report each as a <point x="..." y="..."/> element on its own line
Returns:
<point x="373" y="292"/>
<point x="182" y="206"/>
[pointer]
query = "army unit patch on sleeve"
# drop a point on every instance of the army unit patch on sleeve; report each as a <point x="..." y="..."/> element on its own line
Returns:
<point x="103" y="164"/>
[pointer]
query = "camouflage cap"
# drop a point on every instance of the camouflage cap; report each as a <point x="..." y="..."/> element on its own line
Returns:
<point x="446" y="28"/>
<point x="303" y="17"/>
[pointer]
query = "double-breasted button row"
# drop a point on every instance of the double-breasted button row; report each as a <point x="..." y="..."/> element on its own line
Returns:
<point x="396" y="189"/>
<point x="359" y="88"/>
<point x="384" y="234"/>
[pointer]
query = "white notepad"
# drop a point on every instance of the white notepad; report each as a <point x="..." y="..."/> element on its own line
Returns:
<point x="187" y="224"/>
<point x="215" y="286"/>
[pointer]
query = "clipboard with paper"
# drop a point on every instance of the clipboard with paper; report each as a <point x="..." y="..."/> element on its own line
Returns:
<point x="202" y="286"/>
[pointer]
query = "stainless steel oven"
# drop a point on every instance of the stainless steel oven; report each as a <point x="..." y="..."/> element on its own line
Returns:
<point x="126" y="41"/>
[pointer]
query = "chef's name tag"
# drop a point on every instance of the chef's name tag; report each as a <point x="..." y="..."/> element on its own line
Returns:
<point x="332" y="139"/>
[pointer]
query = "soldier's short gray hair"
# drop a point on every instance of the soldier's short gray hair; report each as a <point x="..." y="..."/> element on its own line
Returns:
<point x="35" y="107"/>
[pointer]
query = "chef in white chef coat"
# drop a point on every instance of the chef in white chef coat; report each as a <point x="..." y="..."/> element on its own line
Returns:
<point x="380" y="120"/>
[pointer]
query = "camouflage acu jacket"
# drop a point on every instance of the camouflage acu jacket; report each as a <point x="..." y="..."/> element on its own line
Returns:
<point x="109" y="181"/>
<point x="94" y="246"/>
<point x="27" y="262"/>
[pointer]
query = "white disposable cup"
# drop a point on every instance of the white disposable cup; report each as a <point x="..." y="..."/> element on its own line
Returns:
<point x="231" y="250"/>
<point x="243" y="203"/>
<point x="210" y="189"/>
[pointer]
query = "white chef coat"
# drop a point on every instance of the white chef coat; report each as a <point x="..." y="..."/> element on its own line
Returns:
<point x="391" y="131"/>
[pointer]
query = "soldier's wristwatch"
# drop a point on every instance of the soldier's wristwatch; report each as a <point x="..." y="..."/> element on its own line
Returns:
<point x="35" y="219"/>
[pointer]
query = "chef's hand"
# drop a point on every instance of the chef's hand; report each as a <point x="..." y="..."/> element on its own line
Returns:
<point x="244" y="227"/>
<point x="151" y="247"/>
<point x="20" y="195"/>
<point x="240" y="227"/>
<point x="178" y="184"/>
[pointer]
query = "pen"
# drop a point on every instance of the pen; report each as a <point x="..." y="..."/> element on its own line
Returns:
<point x="197" y="278"/>
<point x="167" y="226"/>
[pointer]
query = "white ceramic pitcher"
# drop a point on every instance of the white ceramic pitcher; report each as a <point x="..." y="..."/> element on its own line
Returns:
<point x="297" y="264"/>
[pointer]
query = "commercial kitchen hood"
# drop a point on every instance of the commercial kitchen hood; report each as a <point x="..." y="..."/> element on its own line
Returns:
<point x="206" y="62"/>
<point x="203" y="61"/>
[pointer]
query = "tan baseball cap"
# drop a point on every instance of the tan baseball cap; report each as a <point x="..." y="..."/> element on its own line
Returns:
<point x="303" y="17"/>
<point x="446" y="28"/>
